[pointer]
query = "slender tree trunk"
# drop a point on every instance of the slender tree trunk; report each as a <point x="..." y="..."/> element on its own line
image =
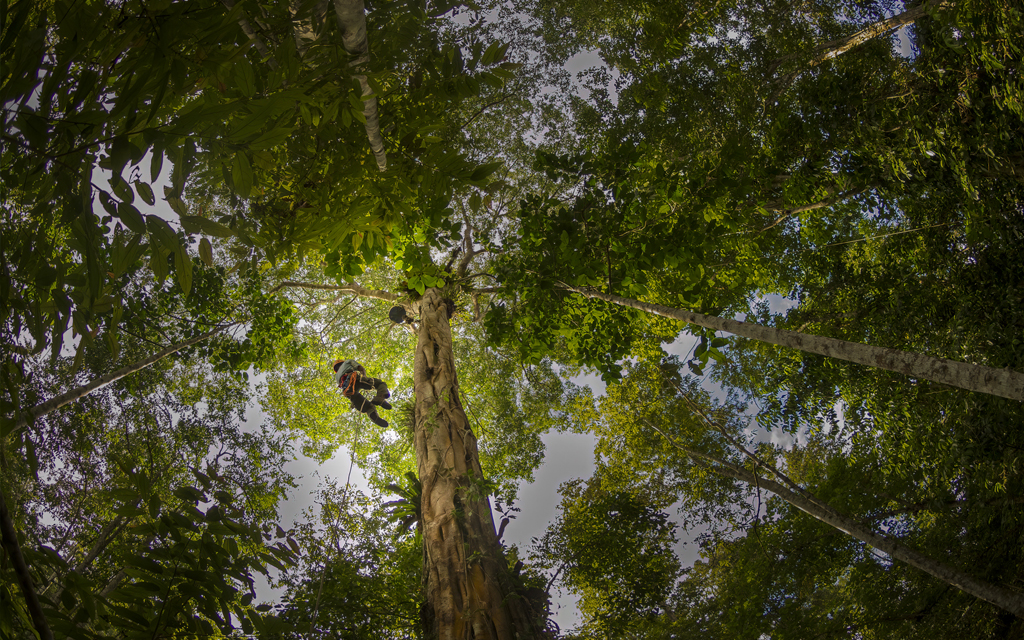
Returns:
<point x="352" y="22"/>
<point x="250" y="33"/>
<point x="1005" y="383"/>
<point x="839" y="46"/>
<point x="830" y="202"/>
<point x="816" y="508"/>
<point x="304" y="29"/>
<point x="469" y="592"/>
<point x="9" y="541"/>
<point x="53" y="404"/>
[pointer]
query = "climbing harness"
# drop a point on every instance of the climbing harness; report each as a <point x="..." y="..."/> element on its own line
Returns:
<point x="348" y="383"/>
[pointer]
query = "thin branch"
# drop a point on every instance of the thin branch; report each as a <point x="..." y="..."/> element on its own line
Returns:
<point x="883" y="235"/>
<point x="351" y="288"/>
<point x="485" y="108"/>
<point x="895" y="549"/>
<point x="547" y="587"/>
<point x="816" y="205"/>
<point x="948" y="504"/>
<point x="749" y="454"/>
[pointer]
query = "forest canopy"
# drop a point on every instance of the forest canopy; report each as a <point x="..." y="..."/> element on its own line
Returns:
<point x="787" y="237"/>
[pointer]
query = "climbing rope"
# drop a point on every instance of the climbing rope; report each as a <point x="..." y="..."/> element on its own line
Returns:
<point x="348" y="383"/>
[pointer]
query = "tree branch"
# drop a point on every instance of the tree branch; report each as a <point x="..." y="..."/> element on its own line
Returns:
<point x="816" y="205"/>
<point x="839" y="46"/>
<point x="999" y="596"/>
<point x="303" y="27"/>
<point x="484" y="108"/>
<point x="351" y="287"/>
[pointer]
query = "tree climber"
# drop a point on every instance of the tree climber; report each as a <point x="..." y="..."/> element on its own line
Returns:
<point x="351" y="378"/>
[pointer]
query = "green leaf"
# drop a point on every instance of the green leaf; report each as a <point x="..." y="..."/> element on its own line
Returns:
<point x="122" y="190"/>
<point x="158" y="262"/>
<point x="271" y="138"/>
<point x="109" y="204"/>
<point x="163" y="233"/>
<point x="183" y="266"/>
<point x="198" y="224"/>
<point x="177" y="206"/>
<point x="145" y="563"/>
<point x="156" y="163"/>
<point x="484" y="171"/>
<point x="146" y="192"/>
<point x="131" y="217"/>
<point x="206" y="252"/>
<point x="241" y="174"/>
<point x="190" y="494"/>
<point x="244" y="78"/>
<point x="490" y="54"/>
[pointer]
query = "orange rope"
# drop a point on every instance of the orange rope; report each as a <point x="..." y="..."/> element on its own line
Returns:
<point x="349" y="389"/>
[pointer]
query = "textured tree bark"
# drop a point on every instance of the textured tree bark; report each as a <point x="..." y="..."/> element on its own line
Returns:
<point x="352" y="22"/>
<point x="1005" y="383"/>
<point x="468" y="589"/>
<point x="250" y="33"/>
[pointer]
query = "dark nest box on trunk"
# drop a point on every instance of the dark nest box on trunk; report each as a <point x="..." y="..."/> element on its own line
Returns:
<point x="397" y="315"/>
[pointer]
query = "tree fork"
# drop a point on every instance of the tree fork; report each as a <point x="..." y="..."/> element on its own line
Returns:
<point x="468" y="588"/>
<point x="1005" y="383"/>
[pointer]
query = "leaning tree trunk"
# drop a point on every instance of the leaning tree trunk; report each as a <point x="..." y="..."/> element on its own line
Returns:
<point x="469" y="591"/>
<point x="808" y="503"/>
<point x="51" y="405"/>
<point x="973" y="377"/>
<point x="839" y="46"/>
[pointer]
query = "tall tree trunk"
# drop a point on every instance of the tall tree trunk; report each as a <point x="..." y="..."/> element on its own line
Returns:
<point x="352" y="22"/>
<point x="469" y="590"/>
<point x="1005" y="383"/>
<point x="816" y="508"/>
